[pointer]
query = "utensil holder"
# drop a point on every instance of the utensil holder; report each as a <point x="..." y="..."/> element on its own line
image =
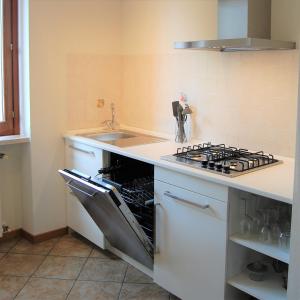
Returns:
<point x="180" y="131"/>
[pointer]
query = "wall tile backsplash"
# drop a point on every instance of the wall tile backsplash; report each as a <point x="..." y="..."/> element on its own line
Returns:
<point x="242" y="99"/>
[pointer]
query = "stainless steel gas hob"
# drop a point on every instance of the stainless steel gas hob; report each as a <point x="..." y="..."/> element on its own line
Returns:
<point x="219" y="159"/>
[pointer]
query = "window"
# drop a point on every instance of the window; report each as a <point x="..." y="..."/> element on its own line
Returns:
<point x="9" y="84"/>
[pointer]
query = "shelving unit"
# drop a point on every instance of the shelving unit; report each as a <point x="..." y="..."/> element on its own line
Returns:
<point x="243" y="250"/>
<point x="269" y="289"/>
<point x="253" y="243"/>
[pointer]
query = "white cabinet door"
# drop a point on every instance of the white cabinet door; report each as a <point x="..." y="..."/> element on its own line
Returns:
<point x="190" y="243"/>
<point x="83" y="158"/>
<point x="87" y="160"/>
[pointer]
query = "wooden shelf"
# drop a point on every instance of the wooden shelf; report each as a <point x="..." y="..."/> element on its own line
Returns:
<point x="269" y="289"/>
<point x="253" y="243"/>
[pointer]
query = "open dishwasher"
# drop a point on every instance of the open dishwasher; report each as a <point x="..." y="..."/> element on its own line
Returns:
<point x="120" y="200"/>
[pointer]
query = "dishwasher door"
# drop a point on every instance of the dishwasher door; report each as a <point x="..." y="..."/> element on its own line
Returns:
<point x="111" y="214"/>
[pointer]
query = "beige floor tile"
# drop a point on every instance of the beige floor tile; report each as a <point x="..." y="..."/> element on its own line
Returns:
<point x="5" y="246"/>
<point x="103" y="270"/>
<point x="10" y="286"/>
<point x="20" y="264"/>
<point x="103" y="254"/>
<point x="71" y="246"/>
<point x="24" y="246"/>
<point x="45" y="289"/>
<point x="131" y="291"/>
<point x="60" y="267"/>
<point x="88" y="290"/>
<point x="135" y="276"/>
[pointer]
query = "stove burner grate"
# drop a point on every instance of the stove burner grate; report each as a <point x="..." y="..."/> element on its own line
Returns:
<point x="223" y="159"/>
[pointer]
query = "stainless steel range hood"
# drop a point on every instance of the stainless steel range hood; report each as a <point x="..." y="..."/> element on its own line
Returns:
<point x="243" y="25"/>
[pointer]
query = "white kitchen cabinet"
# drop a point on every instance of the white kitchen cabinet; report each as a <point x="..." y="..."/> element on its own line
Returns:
<point x="190" y="243"/>
<point x="84" y="158"/>
<point x="88" y="160"/>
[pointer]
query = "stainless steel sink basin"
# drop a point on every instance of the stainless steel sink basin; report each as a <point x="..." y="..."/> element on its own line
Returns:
<point x="108" y="137"/>
<point x="123" y="138"/>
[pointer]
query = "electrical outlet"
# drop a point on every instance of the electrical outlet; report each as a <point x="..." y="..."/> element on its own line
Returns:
<point x="100" y="103"/>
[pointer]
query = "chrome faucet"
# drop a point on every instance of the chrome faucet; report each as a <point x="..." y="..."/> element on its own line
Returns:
<point x="111" y="124"/>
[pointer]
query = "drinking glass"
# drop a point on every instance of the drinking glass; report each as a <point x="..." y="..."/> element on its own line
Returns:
<point x="275" y="232"/>
<point x="246" y="226"/>
<point x="246" y="223"/>
<point x="274" y="214"/>
<point x="265" y="232"/>
<point x="284" y="240"/>
<point x="285" y="217"/>
<point x="257" y="222"/>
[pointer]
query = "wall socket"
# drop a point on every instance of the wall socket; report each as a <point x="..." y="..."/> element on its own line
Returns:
<point x="100" y="103"/>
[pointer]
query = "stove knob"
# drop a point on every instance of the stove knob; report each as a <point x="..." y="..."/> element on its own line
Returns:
<point x="211" y="165"/>
<point x="219" y="167"/>
<point x="226" y="169"/>
<point x="204" y="163"/>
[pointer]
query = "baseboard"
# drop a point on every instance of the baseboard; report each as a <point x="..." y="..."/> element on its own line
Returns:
<point x="10" y="234"/>
<point x="43" y="236"/>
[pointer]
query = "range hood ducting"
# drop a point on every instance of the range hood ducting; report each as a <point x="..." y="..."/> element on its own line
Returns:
<point x="243" y="25"/>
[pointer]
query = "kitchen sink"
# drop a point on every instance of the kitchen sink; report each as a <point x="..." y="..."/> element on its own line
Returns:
<point x="108" y="137"/>
<point x="123" y="138"/>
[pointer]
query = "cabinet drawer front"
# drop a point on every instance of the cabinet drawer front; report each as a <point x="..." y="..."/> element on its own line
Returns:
<point x="83" y="158"/>
<point x="165" y="192"/>
<point x="190" y="183"/>
<point x="190" y="243"/>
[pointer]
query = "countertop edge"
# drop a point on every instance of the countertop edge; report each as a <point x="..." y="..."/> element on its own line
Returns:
<point x="14" y="139"/>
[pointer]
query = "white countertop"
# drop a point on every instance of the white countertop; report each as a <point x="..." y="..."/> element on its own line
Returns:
<point x="275" y="182"/>
<point x="14" y="139"/>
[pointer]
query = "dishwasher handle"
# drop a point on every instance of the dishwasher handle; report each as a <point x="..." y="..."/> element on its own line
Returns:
<point x="80" y="190"/>
<point x="168" y="194"/>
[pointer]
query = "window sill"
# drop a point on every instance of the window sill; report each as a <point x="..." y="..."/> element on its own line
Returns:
<point x="14" y="139"/>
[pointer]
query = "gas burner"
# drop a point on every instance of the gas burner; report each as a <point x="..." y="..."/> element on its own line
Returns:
<point x="228" y="161"/>
<point x="196" y="155"/>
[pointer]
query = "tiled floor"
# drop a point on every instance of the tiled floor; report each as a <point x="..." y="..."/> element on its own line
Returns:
<point x="70" y="268"/>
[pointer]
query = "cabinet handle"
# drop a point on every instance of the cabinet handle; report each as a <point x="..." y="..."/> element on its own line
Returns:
<point x="156" y="246"/>
<point x="81" y="191"/>
<point x="82" y="150"/>
<point x="168" y="194"/>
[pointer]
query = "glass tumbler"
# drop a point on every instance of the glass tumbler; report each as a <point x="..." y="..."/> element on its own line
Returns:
<point x="246" y="226"/>
<point x="275" y="232"/>
<point x="284" y="240"/>
<point x="246" y="223"/>
<point x="265" y="234"/>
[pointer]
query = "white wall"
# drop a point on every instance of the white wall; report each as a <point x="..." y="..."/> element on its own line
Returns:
<point x="243" y="99"/>
<point x="71" y="45"/>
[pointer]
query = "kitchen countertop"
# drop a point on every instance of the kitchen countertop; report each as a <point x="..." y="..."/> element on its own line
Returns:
<point x="14" y="139"/>
<point x="276" y="182"/>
